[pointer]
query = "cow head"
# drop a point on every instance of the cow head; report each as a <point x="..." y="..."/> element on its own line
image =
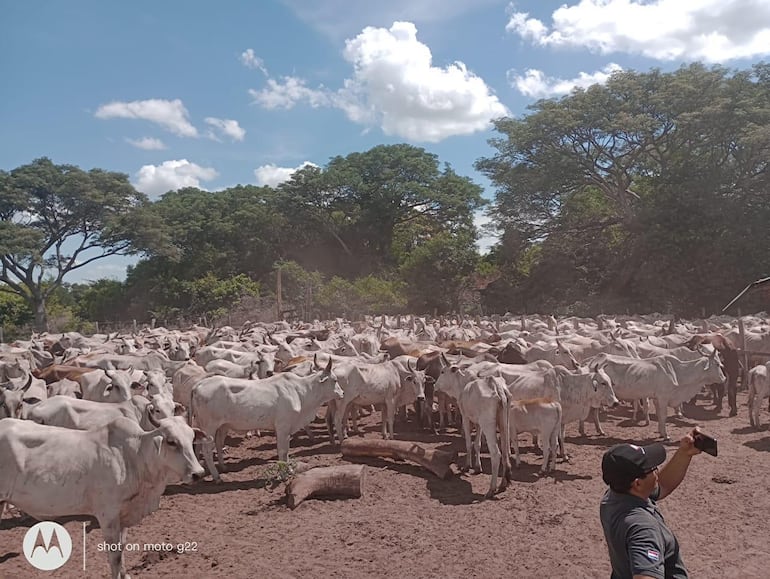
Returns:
<point x="173" y="441"/>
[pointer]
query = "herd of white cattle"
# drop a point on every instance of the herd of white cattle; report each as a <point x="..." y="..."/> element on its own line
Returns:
<point x="100" y="425"/>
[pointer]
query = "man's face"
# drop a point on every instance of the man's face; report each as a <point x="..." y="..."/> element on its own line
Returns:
<point x="647" y="483"/>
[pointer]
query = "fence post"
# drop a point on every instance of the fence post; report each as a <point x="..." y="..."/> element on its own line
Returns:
<point x="96" y="325"/>
<point x="278" y="298"/>
<point x="1" y="335"/>
<point x="134" y="324"/>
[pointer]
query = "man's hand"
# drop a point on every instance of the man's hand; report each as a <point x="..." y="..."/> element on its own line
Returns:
<point x="687" y="444"/>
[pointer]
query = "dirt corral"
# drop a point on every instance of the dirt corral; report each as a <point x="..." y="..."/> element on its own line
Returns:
<point x="411" y="524"/>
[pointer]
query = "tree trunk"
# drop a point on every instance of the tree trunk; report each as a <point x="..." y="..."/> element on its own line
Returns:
<point x="436" y="461"/>
<point x="330" y="481"/>
<point x="41" y="315"/>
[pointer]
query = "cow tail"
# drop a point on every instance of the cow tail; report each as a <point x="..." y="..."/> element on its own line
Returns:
<point x="505" y="434"/>
<point x="191" y="408"/>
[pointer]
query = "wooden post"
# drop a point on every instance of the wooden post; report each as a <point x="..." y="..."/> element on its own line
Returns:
<point x="523" y="322"/>
<point x="745" y="355"/>
<point x="96" y="325"/>
<point x="575" y="324"/>
<point x="134" y="324"/>
<point x="278" y="299"/>
<point x="1" y="335"/>
<point x="152" y="323"/>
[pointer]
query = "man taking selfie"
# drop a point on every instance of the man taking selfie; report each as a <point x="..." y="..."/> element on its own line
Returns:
<point x="640" y="544"/>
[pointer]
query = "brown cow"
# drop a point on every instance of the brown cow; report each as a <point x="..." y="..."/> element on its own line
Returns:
<point x="729" y="356"/>
<point x="57" y="372"/>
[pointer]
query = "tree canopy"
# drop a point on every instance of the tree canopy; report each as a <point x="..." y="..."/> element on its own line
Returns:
<point x="55" y="219"/>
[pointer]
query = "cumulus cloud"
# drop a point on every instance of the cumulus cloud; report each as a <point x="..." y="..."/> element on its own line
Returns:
<point x="171" y="115"/>
<point x="147" y="143"/>
<point x="225" y="127"/>
<point x="395" y="85"/>
<point x="251" y="60"/>
<point x="709" y="30"/>
<point x="171" y="175"/>
<point x="534" y="83"/>
<point x="272" y="175"/>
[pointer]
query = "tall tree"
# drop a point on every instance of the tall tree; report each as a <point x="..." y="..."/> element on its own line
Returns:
<point x="693" y="140"/>
<point x="55" y="219"/>
<point x="363" y="200"/>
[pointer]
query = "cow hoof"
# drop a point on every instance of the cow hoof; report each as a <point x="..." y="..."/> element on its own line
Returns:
<point x="489" y="494"/>
<point x="601" y="433"/>
<point x="733" y="412"/>
<point x="218" y="480"/>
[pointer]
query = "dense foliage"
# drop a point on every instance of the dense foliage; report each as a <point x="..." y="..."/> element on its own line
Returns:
<point x="650" y="192"/>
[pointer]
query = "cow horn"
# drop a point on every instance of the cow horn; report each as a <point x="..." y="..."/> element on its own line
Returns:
<point x="328" y="366"/>
<point x="28" y="384"/>
<point x="444" y="360"/>
<point x="315" y="361"/>
<point x="409" y="365"/>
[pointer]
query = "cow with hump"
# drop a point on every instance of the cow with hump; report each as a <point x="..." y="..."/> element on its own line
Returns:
<point x="283" y="403"/>
<point x="115" y="473"/>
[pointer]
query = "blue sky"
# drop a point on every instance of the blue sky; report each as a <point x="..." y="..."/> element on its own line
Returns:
<point x="212" y="95"/>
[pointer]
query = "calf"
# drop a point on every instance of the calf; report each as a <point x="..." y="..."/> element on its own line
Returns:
<point x="541" y="417"/>
<point x="759" y="389"/>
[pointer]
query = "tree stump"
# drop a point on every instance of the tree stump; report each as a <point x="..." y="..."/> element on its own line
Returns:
<point x="329" y="481"/>
<point x="436" y="461"/>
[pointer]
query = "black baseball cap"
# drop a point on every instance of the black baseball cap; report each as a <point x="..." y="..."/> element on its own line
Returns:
<point x="623" y="463"/>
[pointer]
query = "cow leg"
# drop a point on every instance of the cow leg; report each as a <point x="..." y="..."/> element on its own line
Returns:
<point x="113" y="535"/>
<point x="390" y="411"/>
<point x="283" y="438"/>
<point x="548" y="448"/>
<point x="468" y="452"/>
<point x="331" y="409"/>
<point x="753" y="407"/>
<point x="515" y="440"/>
<point x="219" y="441"/>
<point x="494" y="455"/>
<point x="646" y="410"/>
<point x="339" y="416"/>
<point x="560" y="441"/>
<point x="3" y="504"/>
<point x="661" y="409"/>
<point x="597" y="424"/>
<point x="732" y="393"/>
<point x="476" y="448"/>
<point x="208" y="455"/>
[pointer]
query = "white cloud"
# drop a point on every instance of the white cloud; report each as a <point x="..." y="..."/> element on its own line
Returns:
<point x="289" y="91"/>
<point x="251" y="60"/>
<point x="534" y="83"/>
<point x="226" y="127"/>
<point x="171" y="115"/>
<point x="147" y="143"/>
<point x="272" y="175"/>
<point x="171" y="175"/>
<point x="395" y="85"/>
<point x="709" y="30"/>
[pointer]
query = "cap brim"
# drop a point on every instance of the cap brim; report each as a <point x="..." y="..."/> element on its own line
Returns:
<point x="654" y="455"/>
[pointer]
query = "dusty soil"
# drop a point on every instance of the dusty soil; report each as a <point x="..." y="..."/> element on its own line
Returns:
<point x="411" y="524"/>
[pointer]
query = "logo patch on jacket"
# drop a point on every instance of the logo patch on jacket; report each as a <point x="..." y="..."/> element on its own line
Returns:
<point x="653" y="555"/>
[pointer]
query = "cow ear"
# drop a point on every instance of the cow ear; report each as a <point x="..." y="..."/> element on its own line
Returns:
<point x="158" y="441"/>
<point x="179" y="410"/>
<point x="32" y="400"/>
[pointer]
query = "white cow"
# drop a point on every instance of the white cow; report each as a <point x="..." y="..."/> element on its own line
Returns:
<point x="64" y="387"/>
<point x="19" y="395"/>
<point x="759" y="389"/>
<point x="667" y="379"/>
<point x="106" y="385"/>
<point x="484" y="402"/>
<point x="542" y="417"/>
<point x="77" y="414"/>
<point x="116" y="473"/>
<point x="284" y="403"/>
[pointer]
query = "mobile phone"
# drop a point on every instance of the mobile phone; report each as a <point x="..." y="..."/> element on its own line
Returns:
<point x="706" y="443"/>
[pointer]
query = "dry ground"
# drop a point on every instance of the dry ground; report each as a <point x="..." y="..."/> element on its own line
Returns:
<point x="411" y="524"/>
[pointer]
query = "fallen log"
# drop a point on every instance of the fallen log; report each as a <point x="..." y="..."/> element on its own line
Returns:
<point x="328" y="481"/>
<point x="436" y="461"/>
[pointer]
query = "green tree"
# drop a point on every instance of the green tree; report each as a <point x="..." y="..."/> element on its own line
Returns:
<point x="437" y="271"/>
<point x="591" y="177"/>
<point x="55" y="219"/>
<point x="359" y="204"/>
